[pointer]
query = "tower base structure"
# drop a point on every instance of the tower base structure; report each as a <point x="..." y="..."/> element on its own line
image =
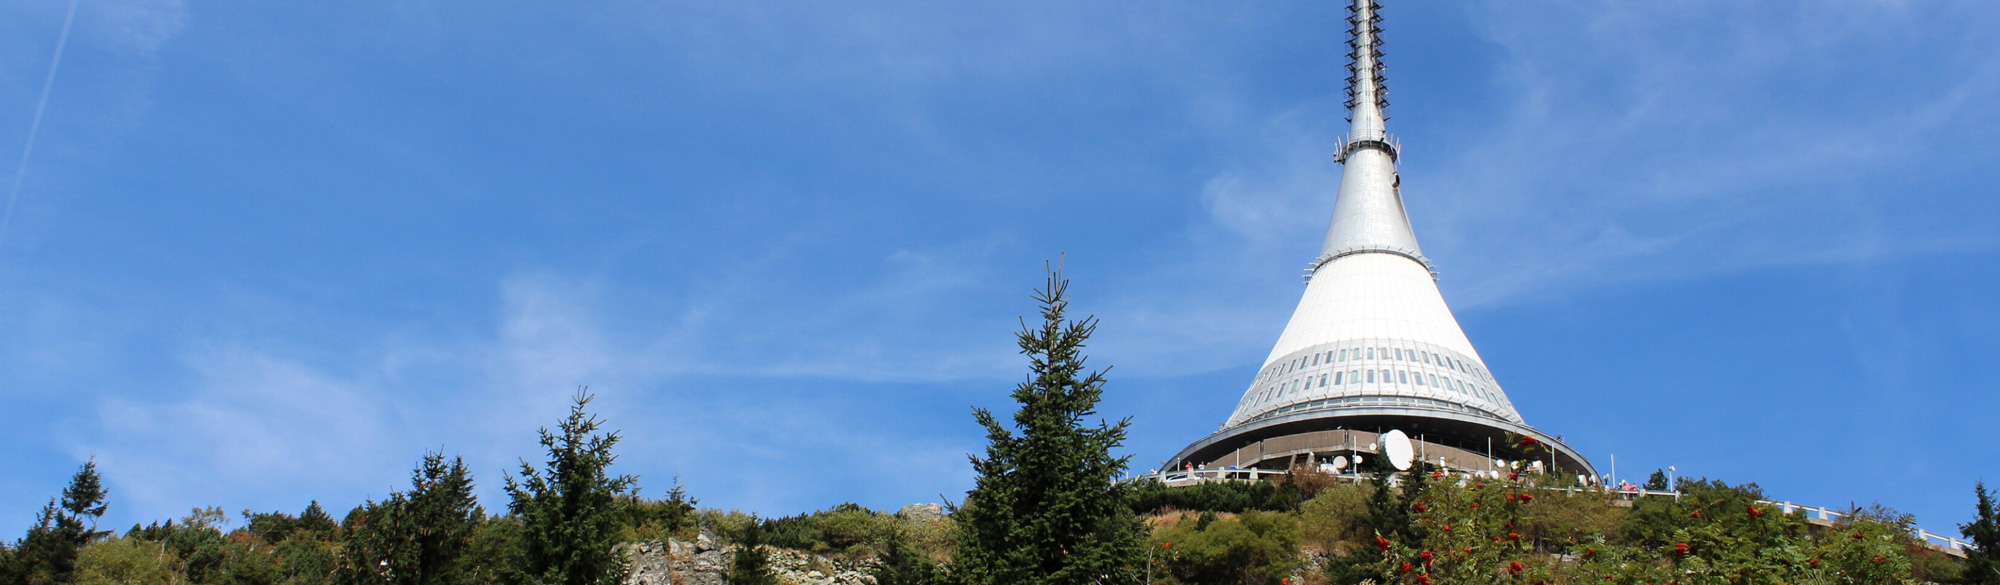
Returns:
<point x="1451" y="441"/>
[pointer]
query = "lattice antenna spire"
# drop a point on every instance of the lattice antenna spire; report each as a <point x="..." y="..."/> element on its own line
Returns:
<point x="1367" y="92"/>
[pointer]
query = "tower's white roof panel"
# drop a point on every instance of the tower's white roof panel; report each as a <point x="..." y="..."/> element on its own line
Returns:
<point x="1371" y="296"/>
<point x="1372" y="327"/>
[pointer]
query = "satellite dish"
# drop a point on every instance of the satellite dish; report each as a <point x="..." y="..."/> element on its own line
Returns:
<point x="1396" y="446"/>
<point x="1340" y="462"/>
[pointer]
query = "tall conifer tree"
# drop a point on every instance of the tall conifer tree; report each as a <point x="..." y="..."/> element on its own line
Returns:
<point x="569" y="510"/>
<point x="1982" y="564"/>
<point x="1388" y="520"/>
<point x="751" y="564"/>
<point x="418" y="537"/>
<point x="47" y="555"/>
<point x="1047" y="507"/>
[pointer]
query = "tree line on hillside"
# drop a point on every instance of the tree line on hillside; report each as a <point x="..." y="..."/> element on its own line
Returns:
<point x="563" y="524"/>
<point x="1046" y="508"/>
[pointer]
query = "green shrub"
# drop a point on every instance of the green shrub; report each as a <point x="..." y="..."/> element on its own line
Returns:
<point x="1230" y="497"/>
<point x="124" y="561"/>
<point x="1332" y="521"/>
<point x="846" y="529"/>
<point x="1254" y="547"/>
<point x="1867" y="546"/>
<point x="195" y="542"/>
<point x="903" y="563"/>
<point x="670" y="517"/>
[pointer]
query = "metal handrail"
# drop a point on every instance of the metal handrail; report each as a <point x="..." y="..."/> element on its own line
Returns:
<point x="1343" y="147"/>
<point x="1829" y="515"/>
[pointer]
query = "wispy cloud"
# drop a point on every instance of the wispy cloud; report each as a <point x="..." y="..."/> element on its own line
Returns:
<point x="251" y="423"/>
<point x="344" y="425"/>
<point x="1639" y="142"/>
<point x="1693" y="172"/>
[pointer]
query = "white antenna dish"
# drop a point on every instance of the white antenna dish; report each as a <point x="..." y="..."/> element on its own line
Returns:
<point x="1340" y="462"/>
<point x="1396" y="446"/>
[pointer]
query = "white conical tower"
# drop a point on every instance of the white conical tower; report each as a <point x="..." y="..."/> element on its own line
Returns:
<point x="1372" y="345"/>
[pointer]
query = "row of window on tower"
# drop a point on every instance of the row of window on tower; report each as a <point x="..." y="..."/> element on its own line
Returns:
<point x="1384" y="376"/>
<point x="1365" y="401"/>
<point x="1372" y="353"/>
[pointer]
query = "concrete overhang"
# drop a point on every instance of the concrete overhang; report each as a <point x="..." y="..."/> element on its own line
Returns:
<point x="1442" y="427"/>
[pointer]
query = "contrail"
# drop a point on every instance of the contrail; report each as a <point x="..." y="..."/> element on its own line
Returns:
<point x="35" y="126"/>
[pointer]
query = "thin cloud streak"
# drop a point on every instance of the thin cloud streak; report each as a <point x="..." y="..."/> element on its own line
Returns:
<point x="35" y="123"/>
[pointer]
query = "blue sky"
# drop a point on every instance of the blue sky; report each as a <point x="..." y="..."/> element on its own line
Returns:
<point x="272" y="252"/>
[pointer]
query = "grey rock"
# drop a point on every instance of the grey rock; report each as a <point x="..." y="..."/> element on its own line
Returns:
<point x="922" y="512"/>
<point x="706" y="562"/>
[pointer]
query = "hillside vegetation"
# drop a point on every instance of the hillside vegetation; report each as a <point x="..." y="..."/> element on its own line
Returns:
<point x="1046" y="508"/>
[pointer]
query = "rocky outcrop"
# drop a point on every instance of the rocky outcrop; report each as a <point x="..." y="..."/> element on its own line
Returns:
<point x="706" y="562"/>
<point x="922" y="512"/>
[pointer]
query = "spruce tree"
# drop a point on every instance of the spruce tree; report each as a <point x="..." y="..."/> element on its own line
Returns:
<point x="1658" y="481"/>
<point x="569" y="510"/>
<point x="445" y="514"/>
<point x="47" y="555"/>
<point x="751" y="565"/>
<point x="1416" y="480"/>
<point x="1388" y="515"/>
<point x="1388" y="520"/>
<point x="1046" y="507"/>
<point x="903" y="564"/>
<point x="85" y="498"/>
<point x="1982" y="563"/>
<point x="418" y="537"/>
<point x="316" y="522"/>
